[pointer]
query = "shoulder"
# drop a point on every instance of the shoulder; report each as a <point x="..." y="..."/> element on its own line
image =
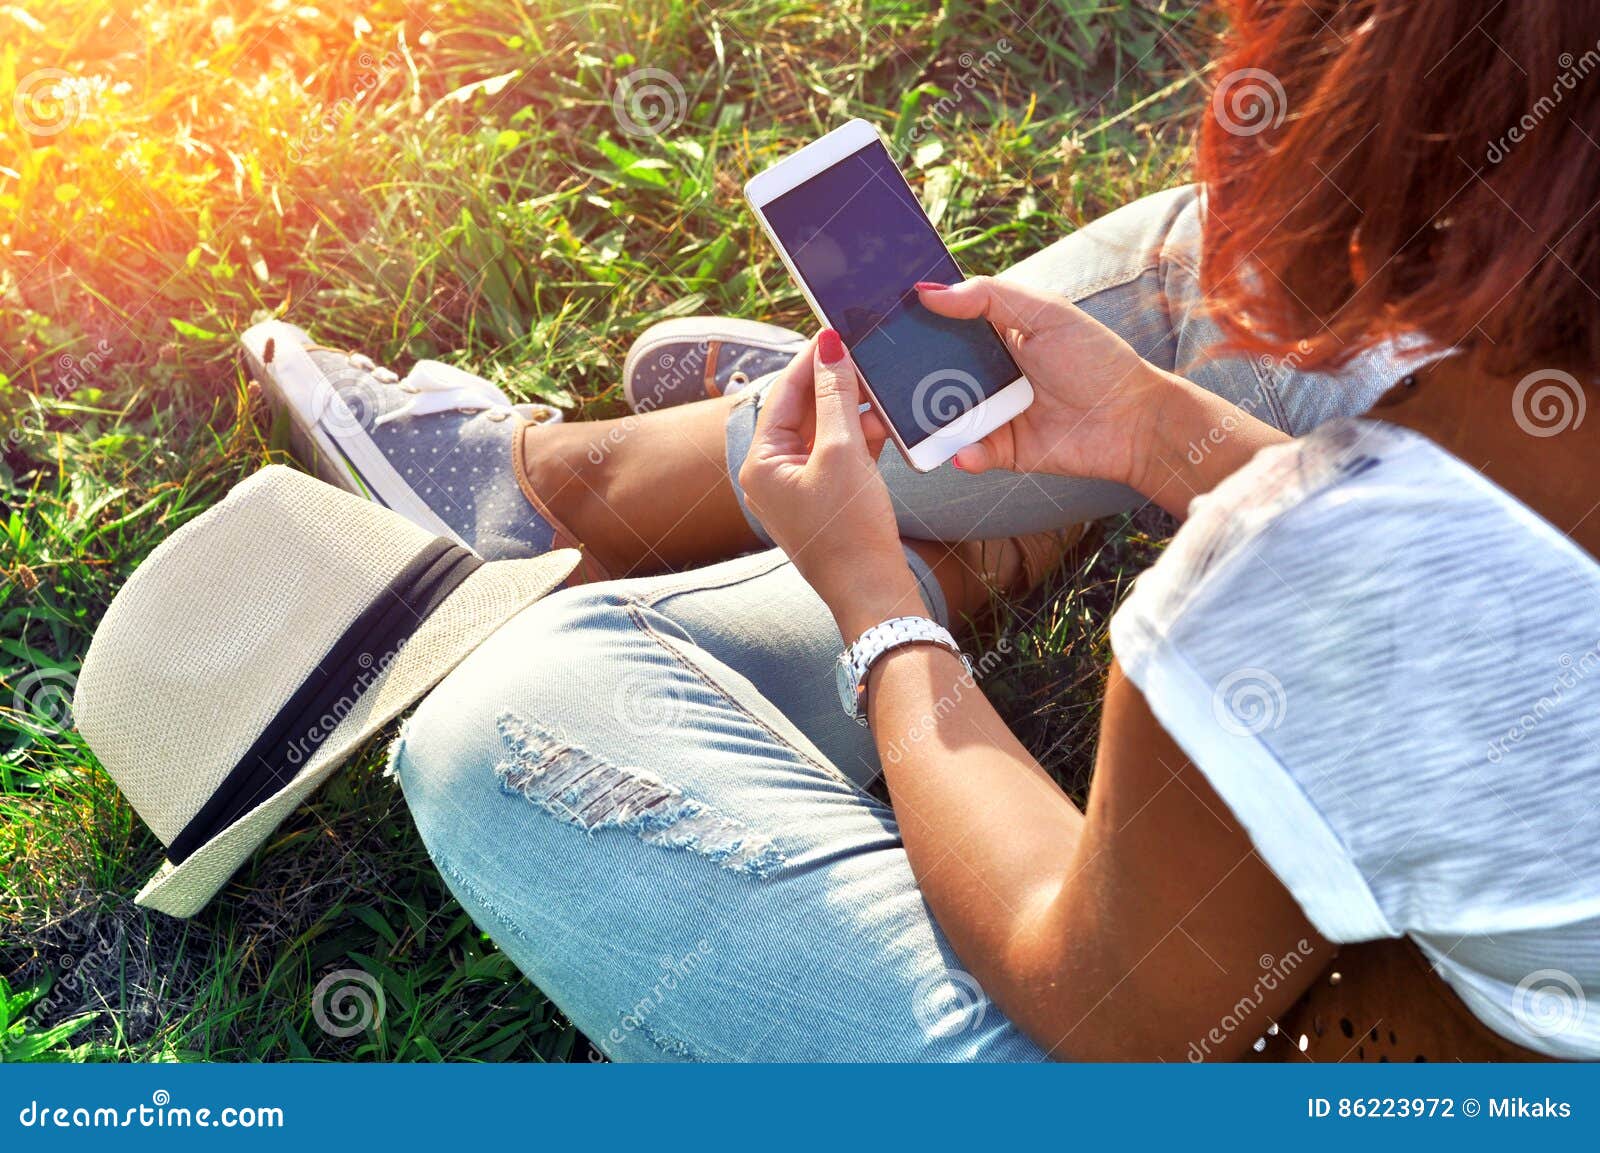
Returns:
<point x="1312" y="514"/>
<point x="1357" y="632"/>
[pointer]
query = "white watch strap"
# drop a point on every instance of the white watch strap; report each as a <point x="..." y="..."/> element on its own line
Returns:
<point x="891" y="634"/>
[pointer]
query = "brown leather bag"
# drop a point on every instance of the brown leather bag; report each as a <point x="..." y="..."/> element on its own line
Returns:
<point x="1382" y="1001"/>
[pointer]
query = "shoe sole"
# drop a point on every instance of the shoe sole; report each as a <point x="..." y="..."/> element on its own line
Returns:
<point x="347" y="458"/>
<point x="693" y="329"/>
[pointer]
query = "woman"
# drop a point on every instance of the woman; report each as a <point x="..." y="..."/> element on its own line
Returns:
<point x="1352" y="710"/>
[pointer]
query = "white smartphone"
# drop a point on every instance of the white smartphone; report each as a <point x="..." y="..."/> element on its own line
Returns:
<point x="856" y="241"/>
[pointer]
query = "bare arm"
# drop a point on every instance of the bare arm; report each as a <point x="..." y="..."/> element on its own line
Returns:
<point x="1134" y="931"/>
<point x="1197" y="440"/>
<point x="1145" y="927"/>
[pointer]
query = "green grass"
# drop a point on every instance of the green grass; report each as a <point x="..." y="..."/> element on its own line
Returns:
<point x="442" y="178"/>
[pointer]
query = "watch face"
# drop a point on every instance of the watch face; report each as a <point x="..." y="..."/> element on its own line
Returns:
<point x="846" y="683"/>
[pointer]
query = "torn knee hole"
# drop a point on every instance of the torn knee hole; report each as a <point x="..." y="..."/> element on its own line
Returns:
<point x="590" y="793"/>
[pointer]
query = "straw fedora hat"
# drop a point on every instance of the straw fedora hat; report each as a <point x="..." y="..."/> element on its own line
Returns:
<point x="260" y="645"/>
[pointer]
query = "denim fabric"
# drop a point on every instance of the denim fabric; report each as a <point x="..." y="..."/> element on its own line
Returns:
<point x="646" y="791"/>
<point x="677" y="849"/>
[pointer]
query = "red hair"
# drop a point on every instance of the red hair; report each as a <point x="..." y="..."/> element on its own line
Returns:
<point x="1387" y="166"/>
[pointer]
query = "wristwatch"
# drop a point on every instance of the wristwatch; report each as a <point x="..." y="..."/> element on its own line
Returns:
<point x="857" y="660"/>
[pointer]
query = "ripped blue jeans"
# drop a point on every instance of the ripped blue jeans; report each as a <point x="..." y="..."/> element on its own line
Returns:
<point x="646" y="792"/>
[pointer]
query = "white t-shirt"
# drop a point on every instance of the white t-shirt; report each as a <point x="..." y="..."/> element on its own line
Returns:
<point x="1389" y="669"/>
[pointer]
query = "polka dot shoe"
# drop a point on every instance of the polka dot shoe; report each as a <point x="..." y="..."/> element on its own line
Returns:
<point x="439" y="446"/>
<point x="694" y="357"/>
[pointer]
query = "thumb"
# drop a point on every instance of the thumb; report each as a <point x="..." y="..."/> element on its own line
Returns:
<point x="1003" y="303"/>
<point x="876" y="431"/>
<point x="838" y="393"/>
<point x="993" y="451"/>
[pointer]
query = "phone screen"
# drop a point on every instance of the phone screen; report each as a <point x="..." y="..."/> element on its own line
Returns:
<point x="861" y="241"/>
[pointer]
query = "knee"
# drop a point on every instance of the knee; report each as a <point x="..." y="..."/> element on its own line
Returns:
<point x="448" y="747"/>
<point x="567" y="722"/>
<point x="578" y="663"/>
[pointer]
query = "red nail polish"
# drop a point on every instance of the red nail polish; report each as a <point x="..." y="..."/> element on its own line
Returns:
<point x="930" y="286"/>
<point x="957" y="463"/>
<point x="830" y="346"/>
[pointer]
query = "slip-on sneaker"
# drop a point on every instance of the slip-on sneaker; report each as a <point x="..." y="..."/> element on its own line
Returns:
<point x="695" y="357"/>
<point x="440" y="446"/>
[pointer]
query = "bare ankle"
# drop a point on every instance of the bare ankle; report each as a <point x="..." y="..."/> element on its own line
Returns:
<point x="971" y="573"/>
<point x="642" y="493"/>
<point x="561" y="467"/>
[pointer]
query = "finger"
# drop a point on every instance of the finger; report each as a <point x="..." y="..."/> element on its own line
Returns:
<point x="1003" y="303"/>
<point x="838" y="393"/>
<point x="785" y="418"/>
<point x="876" y="432"/>
<point x="993" y="451"/>
<point x="873" y="426"/>
<point x="975" y="458"/>
<point x="787" y="402"/>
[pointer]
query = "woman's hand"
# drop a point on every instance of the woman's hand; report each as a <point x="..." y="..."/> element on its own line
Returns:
<point x="811" y="478"/>
<point x="1095" y="398"/>
<point x="1100" y="409"/>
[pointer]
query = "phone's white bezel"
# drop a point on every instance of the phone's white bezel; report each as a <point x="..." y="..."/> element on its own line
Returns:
<point x="793" y="171"/>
